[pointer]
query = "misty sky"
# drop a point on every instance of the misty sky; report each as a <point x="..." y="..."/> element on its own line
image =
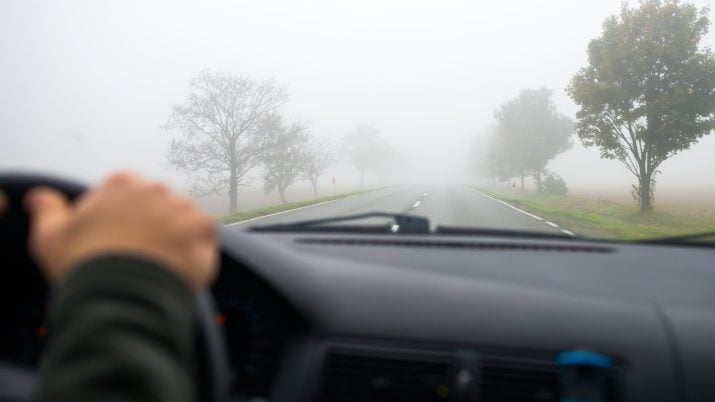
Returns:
<point x="86" y="85"/>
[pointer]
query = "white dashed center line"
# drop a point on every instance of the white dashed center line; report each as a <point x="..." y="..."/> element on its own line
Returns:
<point x="552" y="224"/>
<point x="417" y="204"/>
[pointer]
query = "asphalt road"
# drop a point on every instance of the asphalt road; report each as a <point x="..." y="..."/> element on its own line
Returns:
<point x="447" y="205"/>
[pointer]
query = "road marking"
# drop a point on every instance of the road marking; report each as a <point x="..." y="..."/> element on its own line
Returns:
<point x="552" y="224"/>
<point x="512" y="207"/>
<point x="294" y="209"/>
<point x="417" y="204"/>
<point x="568" y="232"/>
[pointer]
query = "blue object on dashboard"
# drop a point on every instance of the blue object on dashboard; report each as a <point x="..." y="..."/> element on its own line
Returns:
<point x="583" y="375"/>
<point x="584" y="358"/>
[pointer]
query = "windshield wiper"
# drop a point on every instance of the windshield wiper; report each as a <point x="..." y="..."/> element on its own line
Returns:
<point x="451" y="230"/>
<point x="403" y="223"/>
<point x="694" y="238"/>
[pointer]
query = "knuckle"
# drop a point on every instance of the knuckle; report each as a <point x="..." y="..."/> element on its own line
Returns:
<point x="123" y="177"/>
<point x="156" y="188"/>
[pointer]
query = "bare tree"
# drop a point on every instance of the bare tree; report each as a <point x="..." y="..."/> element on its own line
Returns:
<point x="285" y="157"/>
<point x="218" y="125"/>
<point x="320" y="156"/>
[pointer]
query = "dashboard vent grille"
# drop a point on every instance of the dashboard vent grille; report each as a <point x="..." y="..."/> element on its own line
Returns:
<point x="457" y="245"/>
<point x="521" y="380"/>
<point x="518" y="381"/>
<point x="357" y="376"/>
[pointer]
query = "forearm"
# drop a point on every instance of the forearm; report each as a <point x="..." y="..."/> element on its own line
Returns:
<point x="120" y="329"/>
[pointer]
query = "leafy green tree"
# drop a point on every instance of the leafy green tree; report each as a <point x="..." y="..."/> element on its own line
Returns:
<point x="648" y="91"/>
<point x="285" y="157"/>
<point x="530" y="133"/>
<point x="498" y="163"/>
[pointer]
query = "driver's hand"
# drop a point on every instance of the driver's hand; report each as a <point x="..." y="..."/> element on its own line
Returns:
<point x="124" y="215"/>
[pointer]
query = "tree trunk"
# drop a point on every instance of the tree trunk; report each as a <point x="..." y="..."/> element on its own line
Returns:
<point x="315" y="188"/>
<point x="645" y="194"/>
<point x="522" y="181"/>
<point x="232" y="193"/>
<point x="282" y="194"/>
<point x="537" y="176"/>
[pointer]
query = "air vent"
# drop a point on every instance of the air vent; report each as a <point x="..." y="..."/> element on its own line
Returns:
<point x="358" y="376"/>
<point x="517" y="380"/>
<point x="455" y="245"/>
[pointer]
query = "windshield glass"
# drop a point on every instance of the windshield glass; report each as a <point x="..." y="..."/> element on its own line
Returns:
<point x="569" y="117"/>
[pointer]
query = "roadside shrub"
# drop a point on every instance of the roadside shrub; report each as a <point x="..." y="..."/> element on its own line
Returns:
<point x="553" y="184"/>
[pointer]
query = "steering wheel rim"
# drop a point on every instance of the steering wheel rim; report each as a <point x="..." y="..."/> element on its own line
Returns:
<point x="214" y="381"/>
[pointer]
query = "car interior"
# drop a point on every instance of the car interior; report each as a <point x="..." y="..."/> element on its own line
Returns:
<point x="339" y="315"/>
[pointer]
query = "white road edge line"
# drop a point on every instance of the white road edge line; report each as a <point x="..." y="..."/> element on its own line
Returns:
<point x="417" y="204"/>
<point x="568" y="232"/>
<point x="291" y="210"/>
<point x="512" y="207"/>
<point x="552" y="224"/>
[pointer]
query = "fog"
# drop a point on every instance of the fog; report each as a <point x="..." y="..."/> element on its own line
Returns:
<point x="85" y="86"/>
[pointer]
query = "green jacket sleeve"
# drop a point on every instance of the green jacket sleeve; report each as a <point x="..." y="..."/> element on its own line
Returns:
<point x="120" y="329"/>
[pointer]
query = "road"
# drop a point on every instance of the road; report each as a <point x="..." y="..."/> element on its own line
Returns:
<point x="447" y="205"/>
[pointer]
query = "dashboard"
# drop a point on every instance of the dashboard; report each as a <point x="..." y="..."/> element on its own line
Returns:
<point x="436" y="318"/>
<point x="364" y="317"/>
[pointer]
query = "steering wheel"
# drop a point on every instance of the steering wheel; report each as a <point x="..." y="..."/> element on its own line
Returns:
<point x="23" y="296"/>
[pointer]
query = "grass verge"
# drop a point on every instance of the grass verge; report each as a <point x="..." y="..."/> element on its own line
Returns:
<point x="602" y="218"/>
<point x="258" y="212"/>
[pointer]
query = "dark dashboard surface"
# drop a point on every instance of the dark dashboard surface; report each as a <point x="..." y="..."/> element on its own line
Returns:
<point x="364" y="317"/>
<point x="379" y="307"/>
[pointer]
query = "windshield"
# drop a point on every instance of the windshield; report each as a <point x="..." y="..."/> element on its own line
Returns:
<point x="568" y="117"/>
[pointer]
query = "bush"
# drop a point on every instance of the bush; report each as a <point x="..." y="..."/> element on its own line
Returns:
<point x="553" y="184"/>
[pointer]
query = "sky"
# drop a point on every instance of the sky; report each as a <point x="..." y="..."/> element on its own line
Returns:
<point x="86" y="85"/>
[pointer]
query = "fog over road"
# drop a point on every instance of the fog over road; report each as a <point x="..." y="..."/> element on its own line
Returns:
<point x="446" y="205"/>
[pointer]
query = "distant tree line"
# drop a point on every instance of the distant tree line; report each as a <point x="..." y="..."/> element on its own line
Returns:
<point x="230" y="125"/>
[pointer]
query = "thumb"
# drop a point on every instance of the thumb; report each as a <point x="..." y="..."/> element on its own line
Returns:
<point x="48" y="210"/>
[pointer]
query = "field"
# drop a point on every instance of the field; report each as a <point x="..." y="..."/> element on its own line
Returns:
<point x="616" y="216"/>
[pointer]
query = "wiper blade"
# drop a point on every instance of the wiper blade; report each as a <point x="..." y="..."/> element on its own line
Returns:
<point x="690" y="238"/>
<point x="403" y="223"/>
<point x="453" y="230"/>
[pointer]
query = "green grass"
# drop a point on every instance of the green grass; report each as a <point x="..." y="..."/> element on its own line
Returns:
<point x="258" y="212"/>
<point x="602" y="218"/>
